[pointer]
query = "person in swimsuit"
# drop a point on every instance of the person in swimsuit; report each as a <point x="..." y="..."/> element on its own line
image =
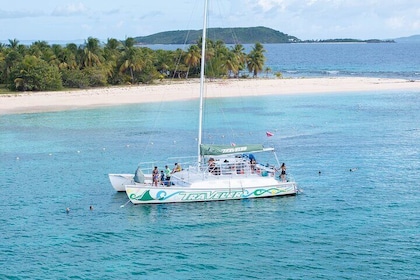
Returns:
<point x="283" y="172"/>
<point x="155" y="175"/>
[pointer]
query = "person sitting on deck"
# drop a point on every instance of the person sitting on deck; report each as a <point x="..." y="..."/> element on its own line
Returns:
<point x="253" y="163"/>
<point x="177" y="168"/>
<point x="212" y="167"/>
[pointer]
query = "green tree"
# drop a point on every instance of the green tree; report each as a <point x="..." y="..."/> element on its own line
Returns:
<point x="149" y="72"/>
<point x="34" y="74"/>
<point x="2" y="58"/>
<point x="97" y="76"/>
<point x="11" y="58"/>
<point x="232" y="64"/>
<point x="75" y="78"/>
<point x="131" y="62"/>
<point x="256" y="59"/>
<point x="178" y="69"/>
<point x="239" y="51"/>
<point x="13" y="43"/>
<point x="164" y="63"/>
<point x="192" y="58"/>
<point x="65" y="58"/>
<point x="91" y="54"/>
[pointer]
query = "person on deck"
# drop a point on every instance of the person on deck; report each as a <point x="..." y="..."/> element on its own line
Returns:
<point x="167" y="173"/>
<point x="212" y="166"/>
<point x="177" y="168"/>
<point x="162" y="177"/>
<point x="253" y="163"/>
<point x="283" y="172"/>
<point x="155" y="175"/>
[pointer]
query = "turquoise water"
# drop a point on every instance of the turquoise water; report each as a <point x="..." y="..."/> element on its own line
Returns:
<point x="346" y="225"/>
<point x="355" y="155"/>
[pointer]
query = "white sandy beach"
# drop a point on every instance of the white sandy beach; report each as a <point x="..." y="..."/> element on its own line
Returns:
<point x="170" y="91"/>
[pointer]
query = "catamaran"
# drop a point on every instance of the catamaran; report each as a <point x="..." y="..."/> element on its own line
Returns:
<point x="219" y="172"/>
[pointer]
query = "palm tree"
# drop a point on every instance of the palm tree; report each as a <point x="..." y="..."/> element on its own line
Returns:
<point x="192" y="57"/>
<point x="239" y="52"/>
<point x="164" y="62"/>
<point x="178" y="68"/>
<point x="112" y="53"/>
<point x="128" y="43"/>
<point x="11" y="59"/>
<point x="256" y="59"/>
<point x="2" y="66"/>
<point x="131" y="61"/>
<point x="232" y="63"/>
<point x="38" y="48"/>
<point x="13" y="44"/>
<point x="91" y="54"/>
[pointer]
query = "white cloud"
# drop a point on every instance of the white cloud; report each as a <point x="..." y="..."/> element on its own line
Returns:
<point x="19" y="14"/>
<point x="268" y="5"/>
<point x="69" y="10"/>
<point x="305" y="19"/>
<point x="323" y="19"/>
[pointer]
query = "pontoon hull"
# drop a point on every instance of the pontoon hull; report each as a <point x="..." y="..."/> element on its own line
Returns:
<point x="119" y="181"/>
<point x="141" y="194"/>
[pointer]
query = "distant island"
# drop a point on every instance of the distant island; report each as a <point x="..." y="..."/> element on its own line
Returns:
<point x="237" y="35"/>
<point x="413" y="39"/>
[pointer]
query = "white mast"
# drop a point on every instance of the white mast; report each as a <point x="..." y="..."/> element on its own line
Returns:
<point x="203" y="57"/>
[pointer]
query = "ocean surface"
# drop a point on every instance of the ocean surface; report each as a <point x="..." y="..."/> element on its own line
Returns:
<point x="383" y="60"/>
<point x="356" y="156"/>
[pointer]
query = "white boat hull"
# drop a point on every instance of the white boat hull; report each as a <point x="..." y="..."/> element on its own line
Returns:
<point x="119" y="181"/>
<point x="245" y="189"/>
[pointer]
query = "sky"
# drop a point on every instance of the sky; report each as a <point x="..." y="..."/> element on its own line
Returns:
<point x="69" y="20"/>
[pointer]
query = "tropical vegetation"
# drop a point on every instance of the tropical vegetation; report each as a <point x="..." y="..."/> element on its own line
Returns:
<point x="41" y="67"/>
<point x="242" y="35"/>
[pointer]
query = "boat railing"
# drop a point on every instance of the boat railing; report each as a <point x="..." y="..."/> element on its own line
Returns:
<point x="237" y="167"/>
<point x="147" y="167"/>
<point x="223" y="167"/>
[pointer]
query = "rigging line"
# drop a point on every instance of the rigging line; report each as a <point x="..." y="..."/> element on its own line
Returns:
<point x="172" y="79"/>
<point x="223" y="15"/>
<point x="236" y="41"/>
<point x="184" y="45"/>
<point x="210" y="67"/>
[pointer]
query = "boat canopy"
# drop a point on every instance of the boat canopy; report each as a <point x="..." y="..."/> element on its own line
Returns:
<point x="217" y="150"/>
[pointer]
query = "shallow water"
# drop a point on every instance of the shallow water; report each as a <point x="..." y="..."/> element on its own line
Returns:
<point x="346" y="225"/>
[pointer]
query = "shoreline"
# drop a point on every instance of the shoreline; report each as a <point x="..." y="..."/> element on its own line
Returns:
<point x="36" y="102"/>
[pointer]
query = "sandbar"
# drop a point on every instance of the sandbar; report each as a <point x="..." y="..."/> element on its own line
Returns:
<point x="33" y="102"/>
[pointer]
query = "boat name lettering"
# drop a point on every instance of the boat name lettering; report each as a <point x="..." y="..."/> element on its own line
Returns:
<point x="234" y="150"/>
<point x="212" y="195"/>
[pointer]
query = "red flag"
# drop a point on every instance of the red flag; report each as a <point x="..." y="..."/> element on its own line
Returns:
<point x="268" y="133"/>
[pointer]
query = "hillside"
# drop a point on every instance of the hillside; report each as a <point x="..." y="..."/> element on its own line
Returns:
<point x="237" y="35"/>
<point x="413" y="38"/>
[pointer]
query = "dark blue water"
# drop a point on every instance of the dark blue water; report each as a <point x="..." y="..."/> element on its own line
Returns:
<point x="383" y="60"/>
<point x="355" y="155"/>
<point x="399" y="60"/>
